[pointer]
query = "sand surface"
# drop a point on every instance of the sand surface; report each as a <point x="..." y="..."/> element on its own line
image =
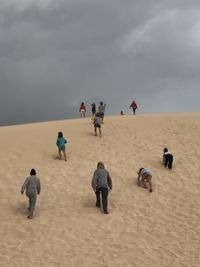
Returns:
<point x="142" y="230"/>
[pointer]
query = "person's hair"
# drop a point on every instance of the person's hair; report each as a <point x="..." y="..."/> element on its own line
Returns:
<point x="165" y="150"/>
<point x="32" y="172"/>
<point x="97" y="114"/>
<point x="140" y="170"/>
<point x="82" y="103"/>
<point x="100" y="165"/>
<point x="60" y="134"/>
<point x="101" y="103"/>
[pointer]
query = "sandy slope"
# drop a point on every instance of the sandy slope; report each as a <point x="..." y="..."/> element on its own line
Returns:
<point x="159" y="229"/>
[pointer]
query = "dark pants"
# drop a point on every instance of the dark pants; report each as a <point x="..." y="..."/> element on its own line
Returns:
<point x="104" y="195"/>
<point x="134" y="109"/>
<point x="101" y="115"/>
<point x="168" y="161"/>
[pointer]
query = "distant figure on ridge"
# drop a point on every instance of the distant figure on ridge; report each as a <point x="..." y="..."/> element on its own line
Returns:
<point x="133" y="106"/>
<point x="146" y="177"/>
<point x="122" y="112"/>
<point x="82" y="110"/>
<point x="97" y="124"/>
<point x="32" y="187"/>
<point x="101" y="184"/>
<point x="93" y="108"/>
<point x="101" y="110"/>
<point x="167" y="158"/>
<point x="61" y="141"/>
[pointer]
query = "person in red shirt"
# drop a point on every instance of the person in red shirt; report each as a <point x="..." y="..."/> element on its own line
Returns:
<point x="82" y="110"/>
<point x="133" y="106"/>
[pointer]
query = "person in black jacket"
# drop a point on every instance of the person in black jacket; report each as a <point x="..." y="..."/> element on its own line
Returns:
<point x="101" y="184"/>
<point x="167" y="158"/>
<point x="93" y="108"/>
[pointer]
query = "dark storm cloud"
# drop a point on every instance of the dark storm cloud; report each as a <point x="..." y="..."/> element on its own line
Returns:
<point x="53" y="55"/>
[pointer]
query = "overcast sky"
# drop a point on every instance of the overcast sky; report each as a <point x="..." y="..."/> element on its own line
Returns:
<point x="56" y="54"/>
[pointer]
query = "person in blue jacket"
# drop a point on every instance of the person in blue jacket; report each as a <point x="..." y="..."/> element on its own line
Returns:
<point x="61" y="141"/>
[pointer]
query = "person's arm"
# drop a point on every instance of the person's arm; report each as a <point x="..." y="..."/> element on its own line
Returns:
<point x="109" y="181"/>
<point x="94" y="180"/>
<point x="24" y="185"/>
<point x="57" y="143"/>
<point x="138" y="178"/>
<point x="164" y="158"/>
<point x="38" y="187"/>
<point x="65" y="140"/>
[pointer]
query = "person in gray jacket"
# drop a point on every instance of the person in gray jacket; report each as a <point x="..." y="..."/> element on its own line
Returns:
<point x="101" y="110"/>
<point x="101" y="184"/>
<point x="32" y="187"/>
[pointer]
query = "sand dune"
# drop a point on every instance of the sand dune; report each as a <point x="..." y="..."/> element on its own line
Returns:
<point x="142" y="230"/>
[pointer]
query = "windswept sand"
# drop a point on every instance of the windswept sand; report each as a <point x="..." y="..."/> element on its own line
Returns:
<point x="159" y="229"/>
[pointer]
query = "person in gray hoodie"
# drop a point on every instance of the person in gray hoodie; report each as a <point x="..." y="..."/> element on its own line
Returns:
<point x="101" y="110"/>
<point x="101" y="184"/>
<point x="32" y="187"/>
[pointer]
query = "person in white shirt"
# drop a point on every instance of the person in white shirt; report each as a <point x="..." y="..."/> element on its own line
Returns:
<point x="144" y="177"/>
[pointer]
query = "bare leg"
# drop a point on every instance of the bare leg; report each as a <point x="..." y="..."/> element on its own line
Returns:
<point x="100" y="132"/>
<point x="59" y="153"/>
<point x="139" y="183"/>
<point x="95" y="131"/>
<point x="65" y="157"/>
<point x="143" y="180"/>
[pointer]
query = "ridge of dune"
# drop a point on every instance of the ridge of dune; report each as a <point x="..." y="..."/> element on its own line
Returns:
<point x="159" y="229"/>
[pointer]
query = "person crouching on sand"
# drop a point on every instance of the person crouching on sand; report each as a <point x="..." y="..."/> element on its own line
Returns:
<point x="167" y="158"/>
<point x="61" y="141"/>
<point x="146" y="177"/>
<point x="101" y="184"/>
<point x="97" y="124"/>
<point x="32" y="187"/>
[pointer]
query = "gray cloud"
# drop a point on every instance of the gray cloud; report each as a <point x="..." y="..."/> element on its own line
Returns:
<point x="56" y="54"/>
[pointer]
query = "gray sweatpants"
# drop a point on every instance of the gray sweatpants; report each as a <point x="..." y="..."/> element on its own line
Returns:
<point x="32" y="195"/>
